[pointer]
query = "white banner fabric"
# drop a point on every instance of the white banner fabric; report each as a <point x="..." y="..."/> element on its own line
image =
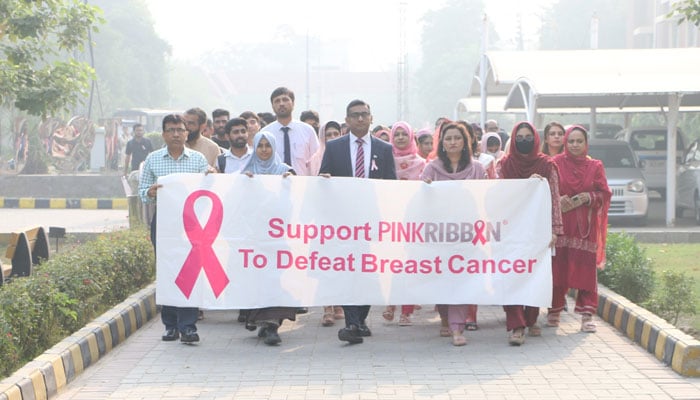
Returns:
<point x="227" y="241"/>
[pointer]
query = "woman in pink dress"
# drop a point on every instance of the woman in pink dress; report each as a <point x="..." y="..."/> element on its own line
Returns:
<point x="454" y="162"/>
<point x="409" y="166"/>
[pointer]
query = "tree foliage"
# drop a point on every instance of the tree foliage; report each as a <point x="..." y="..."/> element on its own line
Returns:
<point x="450" y="51"/>
<point x="687" y="10"/>
<point x="37" y="39"/>
<point x="130" y="58"/>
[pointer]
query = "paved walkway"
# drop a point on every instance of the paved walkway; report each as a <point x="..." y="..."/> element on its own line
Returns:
<point x="395" y="363"/>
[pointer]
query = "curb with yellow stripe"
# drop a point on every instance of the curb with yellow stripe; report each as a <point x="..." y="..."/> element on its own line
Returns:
<point x="60" y="203"/>
<point x="47" y="374"/>
<point x="668" y="344"/>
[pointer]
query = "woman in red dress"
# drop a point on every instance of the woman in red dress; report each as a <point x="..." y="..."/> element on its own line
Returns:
<point x="585" y="199"/>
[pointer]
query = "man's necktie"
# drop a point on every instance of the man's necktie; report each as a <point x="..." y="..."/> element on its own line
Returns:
<point x="287" y="150"/>
<point x="360" y="159"/>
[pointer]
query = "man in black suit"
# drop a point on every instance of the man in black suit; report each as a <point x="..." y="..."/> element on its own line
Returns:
<point x="361" y="155"/>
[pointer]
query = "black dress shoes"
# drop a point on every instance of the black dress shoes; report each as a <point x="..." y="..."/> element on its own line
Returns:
<point x="189" y="336"/>
<point x="302" y="310"/>
<point x="170" y="335"/>
<point x="271" y="336"/>
<point x="364" y="330"/>
<point x="350" y="334"/>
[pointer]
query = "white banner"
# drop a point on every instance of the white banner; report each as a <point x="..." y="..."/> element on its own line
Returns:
<point x="229" y="241"/>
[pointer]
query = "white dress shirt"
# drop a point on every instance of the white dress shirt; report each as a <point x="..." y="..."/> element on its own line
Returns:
<point x="366" y="146"/>
<point x="303" y="142"/>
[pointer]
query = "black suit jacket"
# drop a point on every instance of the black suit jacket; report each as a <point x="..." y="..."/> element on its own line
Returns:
<point x="336" y="159"/>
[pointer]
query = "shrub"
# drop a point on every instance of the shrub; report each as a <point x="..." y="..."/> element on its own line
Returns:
<point x="674" y="297"/>
<point x="627" y="270"/>
<point x="68" y="291"/>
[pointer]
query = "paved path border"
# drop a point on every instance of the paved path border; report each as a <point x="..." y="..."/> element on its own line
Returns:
<point x="61" y="203"/>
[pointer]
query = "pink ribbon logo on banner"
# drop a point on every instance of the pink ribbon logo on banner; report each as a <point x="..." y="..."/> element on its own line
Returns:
<point x="479" y="229"/>
<point x="202" y="255"/>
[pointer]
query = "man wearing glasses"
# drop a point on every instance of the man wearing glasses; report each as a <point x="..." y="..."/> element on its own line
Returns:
<point x="180" y="322"/>
<point x="361" y="155"/>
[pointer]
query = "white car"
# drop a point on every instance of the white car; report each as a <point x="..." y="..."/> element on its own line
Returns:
<point x="688" y="197"/>
<point x="630" y="199"/>
<point x="649" y="144"/>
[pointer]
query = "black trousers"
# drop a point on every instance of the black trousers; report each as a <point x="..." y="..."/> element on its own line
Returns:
<point x="355" y="315"/>
<point x="182" y="318"/>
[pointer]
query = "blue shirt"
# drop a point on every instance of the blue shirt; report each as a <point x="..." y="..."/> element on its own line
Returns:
<point x="160" y="163"/>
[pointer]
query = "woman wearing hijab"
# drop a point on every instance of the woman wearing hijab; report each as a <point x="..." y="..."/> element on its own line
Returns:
<point x="409" y="166"/>
<point x="553" y="143"/>
<point x="524" y="160"/>
<point x="329" y="131"/>
<point x="265" y="161"/>
<point x="585" y="199"/>
<point x="424" y="140"/>
<point x="454" y="162"/>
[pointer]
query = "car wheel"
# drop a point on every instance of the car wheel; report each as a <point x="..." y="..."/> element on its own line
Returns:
<point x="697" y="209"/>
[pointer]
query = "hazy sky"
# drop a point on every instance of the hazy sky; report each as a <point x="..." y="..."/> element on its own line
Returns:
<point x="195" y="27"/>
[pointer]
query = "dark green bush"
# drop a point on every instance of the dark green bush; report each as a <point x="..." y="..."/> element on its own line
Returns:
<point x="68" y="291"/>
<point x="627" y="271"/>
<point x="674" y="297"/>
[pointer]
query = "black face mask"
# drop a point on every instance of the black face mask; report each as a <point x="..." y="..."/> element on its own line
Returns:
<point x="525" y="147"/>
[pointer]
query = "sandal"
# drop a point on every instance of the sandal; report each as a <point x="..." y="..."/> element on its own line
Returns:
<point x="388" y="313"/>
<point x="405" y="320"/>
<point x="517" y="337"/>
<point x="338" y="312"/>
<point x="458" y="339"/>
<point x="327" y="319"/>
<point x="445" y="331"/>
<point x="587" y="324"/>
<point x="553" y="319"/>
<point x="471" y="326"/>
<point x="534" y="330"/>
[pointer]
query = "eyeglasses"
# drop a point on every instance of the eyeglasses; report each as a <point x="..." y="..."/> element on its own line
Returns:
<point x="528" y="138"/>
<point x="358" y="115"/>
<point x="175" y="130"/>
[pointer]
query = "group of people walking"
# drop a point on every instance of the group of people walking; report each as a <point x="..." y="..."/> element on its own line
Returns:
<point x="453" y="150"/>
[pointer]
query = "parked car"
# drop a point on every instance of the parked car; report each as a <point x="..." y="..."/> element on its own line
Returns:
<point x="630" y="199"/>
<point x="688" y="189"/>
<point x="649" y="143"/>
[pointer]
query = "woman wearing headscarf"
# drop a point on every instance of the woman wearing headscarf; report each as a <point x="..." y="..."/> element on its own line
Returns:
<point x="329" y="131"/>
<point x="409" y="166"/>
<point x="424" y="140"/>
<point x="585" y="199"/>
<point x="524" y="160"/>
<point x="266" y="161"/>
<point x="454" y="162"/>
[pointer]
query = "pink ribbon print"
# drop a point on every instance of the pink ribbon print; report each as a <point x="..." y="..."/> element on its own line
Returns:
<point x="202" y="255"/>
<point x="479" y="229"/>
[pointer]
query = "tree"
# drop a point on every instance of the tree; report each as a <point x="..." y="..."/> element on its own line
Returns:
<point x="130" y="58"/>
<point x="37" y="73"/>
<point x="450" y="46"/>
<point x="687" y="10"/>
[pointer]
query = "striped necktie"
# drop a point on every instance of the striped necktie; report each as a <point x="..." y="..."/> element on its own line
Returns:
<point x="360" y="159"/>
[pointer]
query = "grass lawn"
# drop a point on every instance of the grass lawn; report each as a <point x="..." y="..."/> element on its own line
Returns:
<point x="684" y="257"/>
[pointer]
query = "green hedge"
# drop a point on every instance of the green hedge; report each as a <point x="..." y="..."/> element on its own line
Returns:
<point x="68" y="291"/>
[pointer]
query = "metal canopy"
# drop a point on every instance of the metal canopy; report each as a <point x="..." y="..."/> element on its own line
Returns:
<point x="656" y="79"/>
